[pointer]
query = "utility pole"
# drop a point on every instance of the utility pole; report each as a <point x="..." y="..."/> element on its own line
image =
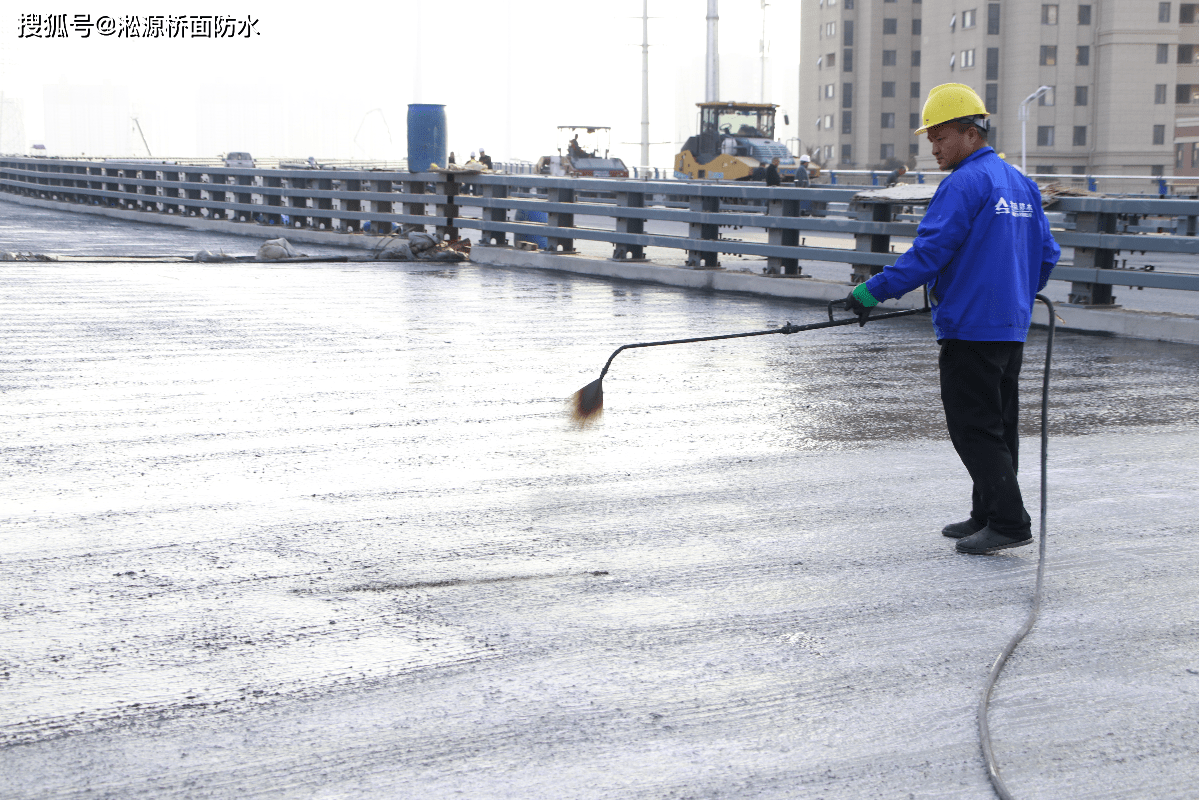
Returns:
<point x="645" y="161"/>
<point x="712" y="87"/>
<point x="762" y="57"/>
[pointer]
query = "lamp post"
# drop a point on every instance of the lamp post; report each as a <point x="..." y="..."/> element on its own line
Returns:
<point x="1023" y="114"/>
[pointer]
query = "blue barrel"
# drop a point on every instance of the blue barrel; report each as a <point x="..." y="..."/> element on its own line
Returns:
<point x="532" y="216"/>
<point x="426" y="136"/>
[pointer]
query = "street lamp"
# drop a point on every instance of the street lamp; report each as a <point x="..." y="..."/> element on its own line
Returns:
<point x="1024" y="117"/>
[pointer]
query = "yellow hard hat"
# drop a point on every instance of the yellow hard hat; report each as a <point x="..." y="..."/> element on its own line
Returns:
<point x="950" y="101"/>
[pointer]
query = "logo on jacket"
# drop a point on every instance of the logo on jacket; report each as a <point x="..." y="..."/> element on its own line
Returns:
<point x="1016" y="209"/>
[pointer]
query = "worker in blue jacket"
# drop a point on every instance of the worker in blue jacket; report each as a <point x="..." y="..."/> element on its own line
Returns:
<point x="984" y="251"/>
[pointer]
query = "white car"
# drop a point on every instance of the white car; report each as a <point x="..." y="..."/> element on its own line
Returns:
<point x="239" y="160"/>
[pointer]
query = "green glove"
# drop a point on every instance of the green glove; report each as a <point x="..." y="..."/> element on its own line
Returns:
<point x="860" y="302"/>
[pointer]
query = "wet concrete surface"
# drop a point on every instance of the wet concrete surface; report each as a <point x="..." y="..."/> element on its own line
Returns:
<point x="310" y="531"/>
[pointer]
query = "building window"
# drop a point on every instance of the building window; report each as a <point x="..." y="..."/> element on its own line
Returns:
<point x="1164" y="12"/>
<point x="1085" y="15"/>
<point x="993" y="64"/>
<point x="1187" y="14"/>
<point x="1079" y="137"/>
<point x="1045" y="136"/>
<point x="848" y="33"/>
<point x="830" y="91"/>
<point x="1081" y="93"/>
<point x="916" y="26"/>
<point x="1049" y="15"/>
<point x="887" y="120"/>
<point x="829" y="122"/>
<point x="1185" y="94"/>
<point x="1188" y="53"/>
<point x="990" y="91"/>
<point x="846" y="151"/>
<point x="831" y="59"/>
<point x="831" y="30"/>
<point x="1047" y="97"/>
<point x="849" y="5"/>
<point x="914" y="121"/>
<point x="887" y="152"/>
<point x="968" y="19"/>
<point x="913" y="149"/>
<point x="889" y="58"/>
<point x="847" y="60"/>
<point x="1160" y="134"/>
<point x="968" y="58"/>
<point x="1049" y="55"/>
<point x="1179" y="151"/>
<point x="889" y="89"/>
<point x="1162" y="54"/>
<point x="847" y="95"/>
<point x="1045" y="169"/>
<point x="846" y="122"/>
<point x="993" y="19"/>
<point x="1156" y="170"/>
<point x="916" y="58"/>
<point x="914" y="89"/>
<point x="828" y="153"/>
<point x="1082" y="55"/>
<point x="1160" y="94"/>
<point x="889" y="25"/>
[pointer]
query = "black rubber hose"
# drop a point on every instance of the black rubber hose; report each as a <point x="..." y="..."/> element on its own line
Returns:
<point x="985" y="738"/>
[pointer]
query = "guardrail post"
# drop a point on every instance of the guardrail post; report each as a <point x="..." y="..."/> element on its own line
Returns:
<point x="787" y="237"/>
<point x="382" y="227"/>
<point x="272" y="200"/>
<point x="170" y="192"/>
<point x="244" y="197"/>
<point x="630" y="252"/>
<point x="703" y="259"/>
<point x="1093" y="294"/>
<point x="870" y="242"/>
<point x="495" y="191"/>
<point x="447" y="189"/>
<point x="558" y="219"/>
<point x="414" y="209"/>
<point x="324" y="204"/>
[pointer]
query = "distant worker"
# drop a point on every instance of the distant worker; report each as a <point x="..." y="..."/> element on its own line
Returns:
<point x="812" y="170"/>
<point x="485" y="159"/>
<point x="773" y="172"/>
<point x="450" y="159"/>
<point x="802" y="173"/>
<point x="896" y="175"/>
<point x="984" y="251"/>
<point x="574" y="149"/>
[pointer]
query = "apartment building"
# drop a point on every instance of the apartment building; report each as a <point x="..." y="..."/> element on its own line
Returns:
<point x="1121" y="75"/>
<point x="860" y="81"/>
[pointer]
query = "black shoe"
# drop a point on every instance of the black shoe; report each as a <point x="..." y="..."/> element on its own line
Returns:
<point x="961" y="530"/>
<point x="988" y="541"/>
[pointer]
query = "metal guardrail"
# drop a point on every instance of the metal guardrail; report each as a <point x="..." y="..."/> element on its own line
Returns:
<point x="513" y="205"/>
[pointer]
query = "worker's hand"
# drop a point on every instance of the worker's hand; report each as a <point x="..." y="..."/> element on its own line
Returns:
<point x="860" y="302"/>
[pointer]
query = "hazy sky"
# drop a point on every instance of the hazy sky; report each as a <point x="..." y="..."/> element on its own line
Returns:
<point x="337" y="83"/>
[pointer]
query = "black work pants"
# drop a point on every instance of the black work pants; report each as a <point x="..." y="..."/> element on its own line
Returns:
<point x="979" y="394"/>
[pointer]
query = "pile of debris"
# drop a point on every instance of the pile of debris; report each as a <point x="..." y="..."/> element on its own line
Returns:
<point x="24" y="257"/>
<point x="1052" y="191"/>
<point x="420" y="246"/>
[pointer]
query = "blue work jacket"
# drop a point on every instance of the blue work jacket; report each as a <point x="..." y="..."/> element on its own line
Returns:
<point x="984" y="249"/>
